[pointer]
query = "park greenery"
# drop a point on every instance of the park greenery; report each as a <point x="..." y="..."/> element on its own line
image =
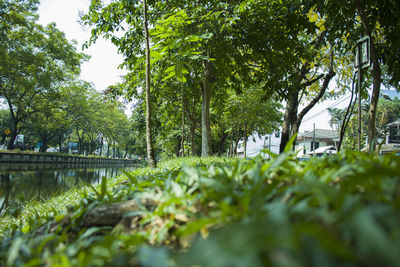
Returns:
<point x="202" y="76"/>
<point x="195" y="70"/>
<point x="339" y="210"/>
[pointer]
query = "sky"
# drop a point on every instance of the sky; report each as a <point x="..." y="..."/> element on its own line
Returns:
<point x="102" y="69"/>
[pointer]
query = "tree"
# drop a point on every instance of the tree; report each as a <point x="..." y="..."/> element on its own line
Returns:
<point x="378" y="20"/>
<point x="180" y="40"/>
<point x="247" y="118"/>
<point x="5" y="123"/>
<point x="283" y="46"/>
<point x="34" y="60"/>
<point x="113" y="16"/>
<point x="149" y="139"/>
<point x="49" y="123"/>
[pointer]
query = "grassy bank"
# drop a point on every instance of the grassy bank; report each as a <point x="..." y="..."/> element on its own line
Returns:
<point x="342" y="210"/>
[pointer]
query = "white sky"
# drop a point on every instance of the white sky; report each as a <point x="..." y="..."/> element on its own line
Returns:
<point x="102" y="69"/>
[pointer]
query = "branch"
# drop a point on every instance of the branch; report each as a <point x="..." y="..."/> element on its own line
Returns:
<point x="327" y="79"/>
<point x="310" y="82"/>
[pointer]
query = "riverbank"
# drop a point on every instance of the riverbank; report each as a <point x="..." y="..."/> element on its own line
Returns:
<point x="341" y="210"/>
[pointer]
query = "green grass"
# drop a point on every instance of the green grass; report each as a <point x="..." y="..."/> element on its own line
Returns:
<point x="341" y="210"/>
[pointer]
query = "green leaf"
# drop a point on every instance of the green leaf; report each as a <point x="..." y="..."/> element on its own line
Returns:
<point x="155" y="54"/>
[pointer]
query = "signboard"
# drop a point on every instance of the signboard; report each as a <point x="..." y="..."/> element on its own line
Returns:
<point x="363" y="54"/>
<point x="7" y="131"/>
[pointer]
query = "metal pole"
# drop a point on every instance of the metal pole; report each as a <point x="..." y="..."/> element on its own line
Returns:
<point x="359" y="96"/>
<point x="313" y="139"/>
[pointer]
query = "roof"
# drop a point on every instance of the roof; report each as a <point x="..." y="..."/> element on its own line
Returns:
<point x="392" y="94"/>
<point x="395" y="123"/>
<point x="319" y="134"/>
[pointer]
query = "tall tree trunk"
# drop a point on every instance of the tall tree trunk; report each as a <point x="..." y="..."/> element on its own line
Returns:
<point x="205" y="118"/>
<point x="13" y="135"/>
<point x="14" y="130"/>
<point x="101" y="145"/>
<point x="287" y="119"/>
<point x="221" y="143"/>
<point x="245" y="142"/>
<point x="183" y="124"/>
<point x="230" y="154"/>
<point x="192" y="136"/>
<point x="376" y="77"/>
<point x="44" y="146"/>
<point x="60" y="143"/>
<point x="205" y="108"/>
<point x="236" y="142"/>
<point x="149" y="139"/>
<point x="108" y="147"/>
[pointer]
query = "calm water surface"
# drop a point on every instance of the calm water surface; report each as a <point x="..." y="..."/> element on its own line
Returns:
<point x="20" y="184"/>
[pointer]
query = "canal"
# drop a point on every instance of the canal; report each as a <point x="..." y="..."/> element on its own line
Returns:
<point x="23" y="183"/>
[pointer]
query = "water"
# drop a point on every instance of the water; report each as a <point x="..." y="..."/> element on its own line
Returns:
<point x="22" y="183"/>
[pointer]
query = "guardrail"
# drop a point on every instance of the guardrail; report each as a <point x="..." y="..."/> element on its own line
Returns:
<point x="11" y="157"/>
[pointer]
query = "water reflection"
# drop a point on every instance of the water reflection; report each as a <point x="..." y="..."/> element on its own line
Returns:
<point x="18" y="187"/>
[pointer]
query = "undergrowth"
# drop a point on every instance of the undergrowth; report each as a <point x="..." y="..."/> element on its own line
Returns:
<point x="339" y="210"/>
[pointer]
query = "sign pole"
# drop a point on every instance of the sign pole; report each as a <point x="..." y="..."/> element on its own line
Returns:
<point x="362" y="60"/>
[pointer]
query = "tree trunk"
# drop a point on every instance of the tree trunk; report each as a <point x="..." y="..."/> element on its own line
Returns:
<point x="44" y="146"/>
<point x="221" y="143"/>
<point x="299" y="118"/>
<point x="236" y="142"/>
<point x="126" y="152"/>
<point x="376" y="76"/>
<point x="205" y="108"/>
<point x="192" y="136"/>
<point x="60" y="143"/>
<point x="149" y="139"/>
<point x="108" y="146"/>
<point x="101" y="145"/>
<point x="183" y="124"/>
<point x="230" y="152"/>
<point x="13" y="135"/>
<point x="292" y="119"/>
<point x="245" y="142"/>
<point x="287" y="119"/>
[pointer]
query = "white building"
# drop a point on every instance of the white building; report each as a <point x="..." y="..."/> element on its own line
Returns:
<point x="309" y="141"/>
<point x="324" y="139"/>
<point x="256" y="144"/>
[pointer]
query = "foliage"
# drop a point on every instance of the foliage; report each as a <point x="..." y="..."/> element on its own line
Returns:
<point x="387" y="112"/>
<point x="339" y="210"/>
<point x="35" y="60"/>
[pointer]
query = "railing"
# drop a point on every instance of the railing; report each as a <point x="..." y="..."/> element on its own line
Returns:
<point x="11" y="157"/>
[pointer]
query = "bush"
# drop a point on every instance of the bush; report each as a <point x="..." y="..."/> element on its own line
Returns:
<point x="339" y="210"/>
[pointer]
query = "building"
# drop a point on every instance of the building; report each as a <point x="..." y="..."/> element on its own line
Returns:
<point x="323" y="141"/>
<point x="309" y="141"/>
<point x="257" y="143"/>
<point x="393" y="136"/>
